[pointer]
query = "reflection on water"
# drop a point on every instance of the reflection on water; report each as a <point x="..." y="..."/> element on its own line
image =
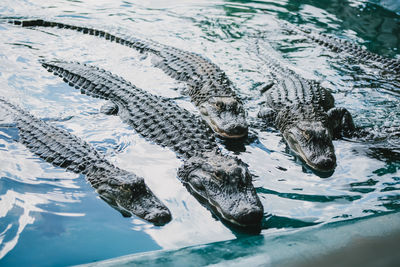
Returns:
<point x="48" y="215"/>
<point x="381" y="32"/>
<point x="28" y="191"/>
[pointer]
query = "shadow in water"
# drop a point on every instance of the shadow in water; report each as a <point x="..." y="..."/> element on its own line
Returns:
<point x="239" y="145"/>
<point x="278" y="222"/>
<point x="237" y="230"/>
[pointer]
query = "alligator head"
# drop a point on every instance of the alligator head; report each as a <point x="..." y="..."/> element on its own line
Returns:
<point x="225" y="115"/>
<point x="223" y="184"/>
<point x="308" y="134"/>
<point x="129" y="194"/>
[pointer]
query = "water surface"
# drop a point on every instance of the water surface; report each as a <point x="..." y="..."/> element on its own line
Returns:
<point x="53" y="217"/>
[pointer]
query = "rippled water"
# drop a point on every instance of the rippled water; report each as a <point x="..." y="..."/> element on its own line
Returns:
<point x="52" y="217"/>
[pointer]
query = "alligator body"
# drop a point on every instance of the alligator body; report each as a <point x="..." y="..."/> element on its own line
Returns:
<point x="209" y="88"/>
<point x="123" y="190"/>
<point x="338" y="45"/>
<point x="221" y="182"/>
<point x="304" y="113"/>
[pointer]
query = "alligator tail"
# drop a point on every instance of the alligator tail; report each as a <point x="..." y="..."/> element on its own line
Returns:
<point x="53" y="144"/>
<point x="176" y="63"/>
<point x="339" y="45"/>
<point x="91" y="80"/>
<point x="135" y="43"/>
<point x="181" y="65"/>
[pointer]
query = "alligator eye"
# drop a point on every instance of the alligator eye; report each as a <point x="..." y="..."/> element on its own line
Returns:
<point x="307" y="134"/>
<point x="247" y="177"/>
<point x="219" y="174"/>
<point x="204" y="111"/>
<point x="291" y="140"/>
<point x="240" y="109"/>
<point x="327" y="133"/>
<point x="196" y="183"/>
<point x="219" y="105"/>
<point x="235" y="106"/>
<point x="237" y="172"/>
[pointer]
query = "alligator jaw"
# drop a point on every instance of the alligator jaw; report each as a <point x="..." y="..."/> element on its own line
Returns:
<point x="223" y="134"/>
<point x="300" y="154"/>
<point x="324" y="160"/>
<point x="224" y="185"/>
<point x="129" y="194"/>
<point x="226" y="116"/>
<point x="218" y="211"/>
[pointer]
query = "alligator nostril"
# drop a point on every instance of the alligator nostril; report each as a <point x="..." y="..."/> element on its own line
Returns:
<point x="326" y="163"/>
<point x="159" y="217"/>
<point x="237" y="129"/>
<point x="250" y="216"/>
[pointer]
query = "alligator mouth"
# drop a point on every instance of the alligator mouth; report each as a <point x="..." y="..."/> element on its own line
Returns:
<point x="225" y="134"/>
<point x="299" y="153"/>
<point x="315" y="167"/>
<point x="216" y="208"/>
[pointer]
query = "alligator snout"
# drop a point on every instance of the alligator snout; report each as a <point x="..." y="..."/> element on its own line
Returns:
<point x="250" y="216"/>
<point x="235" y="129"/>
<point x="325" y="164"/>
<point x="158" y="217"/>
<point x="232" y="129"/>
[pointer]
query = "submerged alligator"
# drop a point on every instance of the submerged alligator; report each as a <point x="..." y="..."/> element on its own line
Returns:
<point x="222" y="182"/>
<point x="123" y="190"/>
<point x="305" y="114"/>
<point x="209" y="88"/>
<point x="338" y="45"/>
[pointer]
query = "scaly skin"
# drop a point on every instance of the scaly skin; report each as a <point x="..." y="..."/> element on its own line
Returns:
<point x="222" y="182"/>
<point x="209" y="87"/>
<point x="123" y="190"/>
<point x="338" y="45"/>
<point x="304" y="113"/>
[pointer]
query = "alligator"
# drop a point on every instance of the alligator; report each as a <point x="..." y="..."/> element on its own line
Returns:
<point x="305" y="114"/>
<point x="209" y="88"/>
<point x="123" y="190"/>
<point x="359" y="53"/>
<point x="220" y="182"/>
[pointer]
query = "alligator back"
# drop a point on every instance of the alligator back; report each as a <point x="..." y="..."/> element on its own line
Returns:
<point x="204" y="77"/>
<point x="154" y="117"/>
<point x="138" y="44"/>
<point x="291" y="89"/>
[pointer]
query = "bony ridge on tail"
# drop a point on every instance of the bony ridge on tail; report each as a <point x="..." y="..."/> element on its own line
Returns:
<point x="357" y="52"/>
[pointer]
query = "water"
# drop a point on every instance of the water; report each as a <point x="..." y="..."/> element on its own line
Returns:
<point x="53" y="217"/>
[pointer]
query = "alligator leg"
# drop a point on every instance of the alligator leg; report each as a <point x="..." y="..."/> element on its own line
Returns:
<point x="109" y="108"/>
<point x="267" y="114"/>
<point x="266" y="87"/>
<point x="342" y="121"/>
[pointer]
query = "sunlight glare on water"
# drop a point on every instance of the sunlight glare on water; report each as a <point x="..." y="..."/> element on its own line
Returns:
<point x="53" y="217"/>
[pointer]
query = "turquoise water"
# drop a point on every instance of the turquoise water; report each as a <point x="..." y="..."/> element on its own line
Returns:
<point x="51" y="217"/>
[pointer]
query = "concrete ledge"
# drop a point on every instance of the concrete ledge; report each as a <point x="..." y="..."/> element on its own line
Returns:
<point x="370" y="241"/>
